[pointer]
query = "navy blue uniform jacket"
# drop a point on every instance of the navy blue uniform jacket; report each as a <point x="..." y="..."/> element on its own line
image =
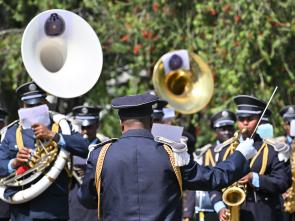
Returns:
<point x="274" y="182"/>
<point x="77" y="212"/>
<point x="138" y="182"/>
<point x="53" y="202"/>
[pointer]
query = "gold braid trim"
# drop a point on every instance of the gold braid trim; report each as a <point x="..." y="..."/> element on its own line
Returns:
<point x="209" y="158"/>
<point x="263" y="147"/>
<point x="19" y="138"/>
<point x="229" y="151"/>
<point x="99" y="166"/>
<point x="175" y="168"/>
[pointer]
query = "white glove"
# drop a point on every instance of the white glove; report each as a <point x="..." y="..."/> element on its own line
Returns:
<point x="246" y="148"/>
<point x="179" y="149"/>
<point x="180" y="153"/>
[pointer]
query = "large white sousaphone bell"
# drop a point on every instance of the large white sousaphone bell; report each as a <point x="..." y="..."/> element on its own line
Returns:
<point x="63" y="55"/>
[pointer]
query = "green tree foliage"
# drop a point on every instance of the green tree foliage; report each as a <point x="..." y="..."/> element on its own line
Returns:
<point x="249" y="46"/>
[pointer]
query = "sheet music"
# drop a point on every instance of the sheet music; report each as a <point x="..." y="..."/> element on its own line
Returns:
<point x="168" y="131"/>
<point x="34" y="115"/>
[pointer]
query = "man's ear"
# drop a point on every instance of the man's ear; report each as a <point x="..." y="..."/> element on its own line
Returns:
<point x="122" y="126"/>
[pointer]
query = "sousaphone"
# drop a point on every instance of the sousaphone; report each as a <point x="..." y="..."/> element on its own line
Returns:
<point x="184" y="80"/>
<point x="62" y="54"/>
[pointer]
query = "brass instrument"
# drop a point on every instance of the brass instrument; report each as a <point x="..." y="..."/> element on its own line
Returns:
<point x="289" y="203"/>
<point x="187" y="91"/>
<point x="52" y="46"/>
<point x="234" y="195"/>
<point x="43" y="156"/>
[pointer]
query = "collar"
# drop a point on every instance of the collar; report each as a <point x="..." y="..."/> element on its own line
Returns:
<point x="289" y="139"/>
<point x="95" y="141"/>
<point x="138" y="133"/>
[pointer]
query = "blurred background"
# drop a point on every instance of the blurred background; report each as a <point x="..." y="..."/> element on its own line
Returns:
<point x="249" y="45"/>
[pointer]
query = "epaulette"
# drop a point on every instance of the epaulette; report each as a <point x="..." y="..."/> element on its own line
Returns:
<point x="200" y="151"/>
<point x="277" y="145"/>
<point x="4" y="129"/>
<point x="280" y="139"/>
<point x="219" y="147"/>
<point x="95" y="146"/>
<point x="282" y="148"/>
<point x="164" y="140"/>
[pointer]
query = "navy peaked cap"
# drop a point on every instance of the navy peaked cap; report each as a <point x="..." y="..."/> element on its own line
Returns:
<point x="158" y="109"/>
<point x="86" y="115"/>
<point x="30" y="93"/>
<point x="223" y="118"/>
<point x="3" y="114"/>
<point x="248" y="105"/>
<point x="288" y="112"/>
<point x="138" y="105"/>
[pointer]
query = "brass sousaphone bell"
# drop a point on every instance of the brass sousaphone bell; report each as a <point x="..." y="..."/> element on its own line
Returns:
<point x="184" y="80"/>
<point x="63" y="55"/>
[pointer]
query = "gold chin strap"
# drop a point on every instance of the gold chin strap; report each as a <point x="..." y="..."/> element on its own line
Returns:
<point x="19" y="136"/>
<point x="99" y="166"/>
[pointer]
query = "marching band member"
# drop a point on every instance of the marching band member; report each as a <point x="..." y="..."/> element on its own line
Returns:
<point x="87" y="118"/>
<point x="288" y="114"/>
<point x="223" y="125"/>
<point x="15" y="150"/>
<point x="269" y="176"/>
<point x="135" y="177"/>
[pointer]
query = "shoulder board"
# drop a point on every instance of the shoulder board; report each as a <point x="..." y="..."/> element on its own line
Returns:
<point x="201" y="151"/>
<point x="164" y="140"/>
<point x="8" y="126"/>
<point x="277" y="145"/>
<point x="95" y="146"/>
<point x="4" y="129"/>
<point x="280" y="139"/>
<point x="102" y="137"/>
<point x="219" y="147"/>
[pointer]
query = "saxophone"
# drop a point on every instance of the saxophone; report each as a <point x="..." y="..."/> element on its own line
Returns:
<point x="289" y="203"/>
<point x="234" y="195"/>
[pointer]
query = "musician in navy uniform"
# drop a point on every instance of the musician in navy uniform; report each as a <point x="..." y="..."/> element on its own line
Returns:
<point x="52" y="204"/>
<point x="4" y="207"/>
<point x="288" y="114"/>
<point x="87" y="118"/>
<point x="223" y="125"/>
<point x="136" y="178"/>
<point x="269" y="176"/>
<point x="158" y="112"/>
<point x="3" y="115"/>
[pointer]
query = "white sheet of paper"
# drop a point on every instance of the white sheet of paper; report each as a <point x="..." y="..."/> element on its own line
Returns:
<point x="168" y="131"/>
<point x="292" y="128"/>
<point x="34" y="115"/>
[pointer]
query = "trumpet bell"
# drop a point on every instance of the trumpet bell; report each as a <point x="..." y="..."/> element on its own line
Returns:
<point x="66" y="65"/>
<point x="187" y="91"/>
